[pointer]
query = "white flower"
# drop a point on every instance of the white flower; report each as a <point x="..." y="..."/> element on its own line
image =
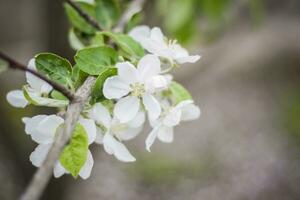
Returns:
<point x="36" y="89"/>
<point x="154" y="41"/>
<point x="134" y="85"/>
<point x="42" y="129"/>
<point x="171" y="117"/>
<point x="110" y="132"/>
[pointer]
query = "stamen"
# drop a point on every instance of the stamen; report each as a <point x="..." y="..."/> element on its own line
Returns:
<point x="138" y="89"/>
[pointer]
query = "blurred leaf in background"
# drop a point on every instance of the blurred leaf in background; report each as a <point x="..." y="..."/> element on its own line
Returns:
<point x="3" y="66"/>
<point x="203" y="20"/>
<point x="158" y="169"/>
<point x="291" y="115"/>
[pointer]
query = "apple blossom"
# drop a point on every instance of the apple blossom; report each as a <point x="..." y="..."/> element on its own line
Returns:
<point x="154" y="42"/>
<point x="110" y="131"/>
<point x="134" y="85"/>
<point x="171" y="117"/>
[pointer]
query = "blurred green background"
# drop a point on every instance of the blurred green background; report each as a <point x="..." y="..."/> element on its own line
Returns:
<point x="246" y="145"/>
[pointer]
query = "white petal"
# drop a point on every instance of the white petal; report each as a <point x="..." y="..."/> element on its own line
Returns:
<point x="86" y="170"/>
<point x="172" y="118"/>
<point x="25" y="119"/>
<point x="16" y="98"/>
<point x="37" y="84"/>
<point x="90" y="128"/>
<point x="152" y="106"/>
<point x="140" y="33"/>
<point x="100" y="114"/>
<point x="138" y="120"/>
<point x="157" y="35"/>
<point x="128" y="133"/>
<point x="152" y="136"/>
<point x="184" y="103"/>
<point x="115" y="88"/>
<point x="157" y="48"/>
<point x="59" y="170"/>
<point x="39" y="154"/>
<point x="46" y="129"/>
<point x="127" y="72"/>
<point x="127" y="108"/>
<point x="188" y="59"/>
<point x="44" y="101"/>
<point x="107" y="144"/>
<point x="117" y="149"/>
<point x="31" y="123"/>
<point x="148" y="66"/>
<point x="154" y="122"/>
<point x="159" y="82"/>
<point x="190" y="112"/>
<point x="169" y="78"/>
<point x="165" y="134"/>
<point x="99" y="137"/>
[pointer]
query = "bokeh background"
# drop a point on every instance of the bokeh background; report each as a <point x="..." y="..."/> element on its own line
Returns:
<point x="246" y="145"/>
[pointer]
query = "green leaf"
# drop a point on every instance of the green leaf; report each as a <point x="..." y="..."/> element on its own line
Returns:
<point x="77" y="21"/>
<point x="96" y="60"/>
<point x="58" y="95"/>
<point x="55" y="67"/>
<point x="179" y="93"/>
<point x="3" y="66"/>
<point x="97" y="40"/>
<point x="107" y="13"/>
<point x="37" y="100"/>
<point x="184" y="13"/>
<point x="134" y="21"/>
<point x="97" y="93"/>
<point x="127" y="44"/>
<point x="78" y="76"/>
<point x="214" y="10"/>
<point x="75" y="153"/>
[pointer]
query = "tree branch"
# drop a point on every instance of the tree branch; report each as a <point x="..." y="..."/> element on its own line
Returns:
<point x="15" y="65"/>
<point x="134" y="7"/>
<point x="85" y="15"/>
<point x="44" y="173"/>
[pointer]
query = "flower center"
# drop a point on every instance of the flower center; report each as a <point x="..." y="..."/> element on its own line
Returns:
<point x="171" y="43"/>
<point x="138" y="89"/>
<point x="118" y="128"/>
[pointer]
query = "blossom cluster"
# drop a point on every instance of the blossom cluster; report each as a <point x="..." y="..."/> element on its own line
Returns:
<point x="141" y="90"/>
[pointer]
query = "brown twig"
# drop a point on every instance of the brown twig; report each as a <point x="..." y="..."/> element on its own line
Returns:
<point x="43" y="174"/>
<point x="15" y="65"/>
<point x="85" y="15"/>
